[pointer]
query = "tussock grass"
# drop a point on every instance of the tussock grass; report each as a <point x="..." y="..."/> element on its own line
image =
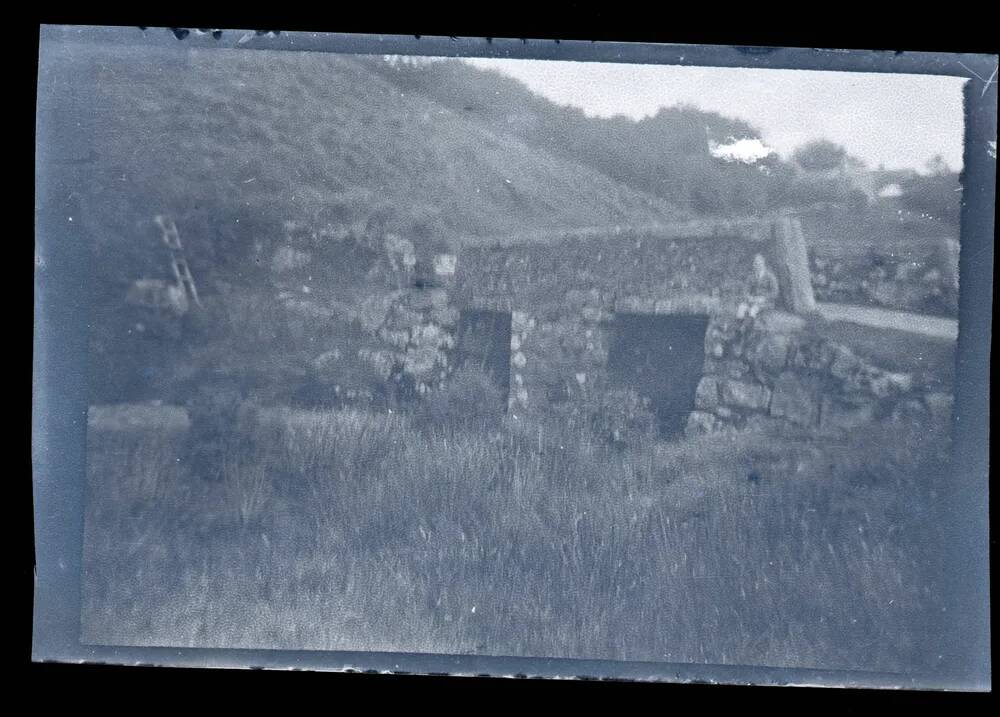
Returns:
<point x="354" y="530"/>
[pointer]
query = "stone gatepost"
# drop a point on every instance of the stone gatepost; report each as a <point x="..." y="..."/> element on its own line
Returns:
<point x="793" y="265"/>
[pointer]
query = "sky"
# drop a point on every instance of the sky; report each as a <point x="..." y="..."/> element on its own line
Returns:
<point x="896" y="120"/>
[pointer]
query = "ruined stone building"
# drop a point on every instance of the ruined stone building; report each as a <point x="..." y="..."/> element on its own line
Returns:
<point x="561" y="322"/>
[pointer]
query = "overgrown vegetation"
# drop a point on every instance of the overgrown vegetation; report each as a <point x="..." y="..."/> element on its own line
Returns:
<point x="667" y="155"/>
<point x="469" y="399"/>
<point x="354" y="530"/>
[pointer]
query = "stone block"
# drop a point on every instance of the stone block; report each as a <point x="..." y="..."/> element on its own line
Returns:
<point x="845" y="364"/>
<point x="844" y="414"/>
<point x="793" y="265"/>
<point x="707" y="394"/>
<point x="447" y="315"/>
<point x="731" y="368"/>
<point x="780" y="322"/>
<point x="860" y="379"/>
<point x="795" y="399"/>
<point x="520" y="322"/>
<point x="698" y="423"/>
<point x="445" y="264"/>
<point x="636" y="304"/>
<point x="422" y="361"/>
<point x="770" y="353"/>
<point x="883" y="384"/>
<point x="744" y="395"/>
<point x="815" y="355"/>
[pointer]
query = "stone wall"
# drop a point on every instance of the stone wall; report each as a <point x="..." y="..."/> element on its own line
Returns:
<point x="415" y="331"/>
<point x="770" y="370"/>
<point x="564" y="298"/>
<point x="559" y="361"/>
<point x="921" y="280"/>
<point x="551" y="279"/>
<point x="775" y="370"/>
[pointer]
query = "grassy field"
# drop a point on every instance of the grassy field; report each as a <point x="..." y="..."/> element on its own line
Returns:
<point x="352" y="530"/>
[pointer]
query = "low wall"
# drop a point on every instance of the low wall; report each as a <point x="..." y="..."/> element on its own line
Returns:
<point x="922" y="278"/>
<point x="775" y="370"/>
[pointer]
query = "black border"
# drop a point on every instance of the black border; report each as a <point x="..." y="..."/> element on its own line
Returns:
<point x="62" y="414"/>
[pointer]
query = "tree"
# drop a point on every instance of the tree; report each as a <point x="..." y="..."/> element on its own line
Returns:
<point x="938" y="195"/>
<point x="820" y="155"/>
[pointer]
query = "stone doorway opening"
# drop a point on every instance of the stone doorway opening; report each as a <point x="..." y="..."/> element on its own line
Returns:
<point x="662" y="358"/>
<point x="483" y="342"/>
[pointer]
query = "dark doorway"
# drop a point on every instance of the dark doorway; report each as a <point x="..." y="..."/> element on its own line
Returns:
<point x="662" y="358"/>
<point x="484" y="343"/>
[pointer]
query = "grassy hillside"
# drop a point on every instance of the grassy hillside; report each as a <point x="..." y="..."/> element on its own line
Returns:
<point x="219" y="136"/>
<point x="666" y="155"/>
<point x="235" y="144"/>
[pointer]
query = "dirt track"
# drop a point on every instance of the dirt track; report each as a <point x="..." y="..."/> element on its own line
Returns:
<point x="935" y="326"/>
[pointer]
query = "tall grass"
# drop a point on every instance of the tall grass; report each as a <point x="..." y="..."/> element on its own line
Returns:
<point x="352" y="530"/>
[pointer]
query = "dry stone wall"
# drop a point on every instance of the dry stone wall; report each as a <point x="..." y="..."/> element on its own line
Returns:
<point x="551" y="279"/>
<point x="415" y="330"/>
<point x="565" y="299"/>
<point x="920" y="281"/>
<point x="774" y="370"/>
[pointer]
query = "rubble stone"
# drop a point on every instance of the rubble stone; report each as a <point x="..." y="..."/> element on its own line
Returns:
<point x="840" y="414"/>
<point x="707" y="394"/>
<point x="770" y="353"/>
<point x="795" y="399"/>
<point x="744" y="395"/>
<point x="699" y="422"/>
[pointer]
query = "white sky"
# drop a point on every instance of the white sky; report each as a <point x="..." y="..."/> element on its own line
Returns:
<point x="891" y="119"/>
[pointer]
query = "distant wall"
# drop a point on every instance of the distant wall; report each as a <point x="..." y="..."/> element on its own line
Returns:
<point x="920" y="276"/>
